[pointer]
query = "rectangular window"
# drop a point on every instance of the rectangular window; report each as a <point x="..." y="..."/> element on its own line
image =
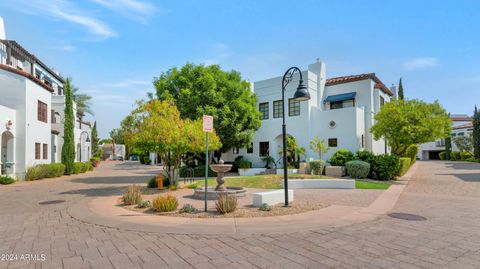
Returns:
<point x="45" y="151"/>
<point x="332" y="142"/>
<point x="250" y="148"/>
<point x="263" y="108"/>
<point x="42" y="111"/>
<point x="264" y="149"/>
<point x="382" y="101"/>
<point x="293" y="107"/>
<point x="235" y="150"/>
<point x="336" y="105"/>
<point x="461" y="134"/>
<point x="37" y="151"/>
<point x="277" y="109"/>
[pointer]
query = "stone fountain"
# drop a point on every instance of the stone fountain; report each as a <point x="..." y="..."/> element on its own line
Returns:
<point x="212" y="193"/>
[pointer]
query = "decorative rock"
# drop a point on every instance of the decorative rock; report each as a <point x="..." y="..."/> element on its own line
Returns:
<point x="335" y="171"/>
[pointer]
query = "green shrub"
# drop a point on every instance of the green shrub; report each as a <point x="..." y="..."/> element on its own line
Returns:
<point x="198" y="171"/>
<point x="193" y="185"/>
<point x="442" y="155"/>
<point x="226" y="203"/>
<point x="357" y="169"/>
<point x="146" y="160"/>
<point x="133" y="195"/>
<point x="405" y="163"/>
<point x="386" y="167"/>
<point x="188" y="208"/>
<point x="77" y="167"/>
<point x="455" y="156"/>
<point x="143" y="204"/>
<point x="317" y="166"/>
<point x="5" y="180"/>
<point x="141" y="158"/>
<point x="152" y="182"/>
<point x="44" y="171"/>
<point x="265" y="207"/>
<point x="465" y="155"/>
<point x="412" y="152"/>
<point x="89" y="166"/>
<point x="166" y="203"/>
<point x="341" y="157"/>
<point x="471" y="159"/>
<point x="244" y="164"/>
<point x="368" y="157"/>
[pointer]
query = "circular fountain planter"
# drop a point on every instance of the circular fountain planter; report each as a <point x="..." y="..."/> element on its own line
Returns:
<point x="212" y="194"/>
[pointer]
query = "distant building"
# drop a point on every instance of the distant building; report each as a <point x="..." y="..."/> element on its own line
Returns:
<point x="341" y="111"/>
<point x="32" y="105"/>
<point x="461" y="126"/>
<point x="111" y="152"/>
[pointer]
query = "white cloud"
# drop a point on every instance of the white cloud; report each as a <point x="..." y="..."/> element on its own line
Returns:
<point x="420" y="63"/>
<point x="66" y="11"/>
<point x="133" y="9"/>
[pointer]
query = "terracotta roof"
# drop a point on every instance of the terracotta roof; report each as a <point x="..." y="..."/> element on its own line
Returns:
<point x="463" y="126"/>
<point x="27" y="75"/>
<point x="346" y="79"/>
<point x="460" y="118"/>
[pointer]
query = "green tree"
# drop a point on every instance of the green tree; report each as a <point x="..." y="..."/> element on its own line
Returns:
<point x="476" y="133"/>
<point x="199" y="90"/>
<point x="294" y="151"/>
<point x="156" y="126"/>
<point x="94" y="139"/>
<point x="448" y="147"/>
<point x="400" y="90"/>
<point x="319" y="146"/>
<point x="82" y="100"/>
<point x="406" y="122"/>
<point x="463" y="143"/>
<point x="68" y="148"/>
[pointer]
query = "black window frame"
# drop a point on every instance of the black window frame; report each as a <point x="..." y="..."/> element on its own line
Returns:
<point x="277" y="109"/>
<point x="264" y="148"/>
<point x="333" y="105"/>
<point x="264" y="113"/>
<point x="250" y="148"/>
<point x="293" y="107"/>
<point x="333" y="142"/>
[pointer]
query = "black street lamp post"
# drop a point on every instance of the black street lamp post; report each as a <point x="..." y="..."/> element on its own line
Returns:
<point x="300" y="95"/>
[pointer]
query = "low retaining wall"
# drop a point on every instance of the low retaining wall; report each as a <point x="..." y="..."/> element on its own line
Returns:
<point x="321" y="183"/>
<point x="250" y="171"/>
<point x="290" y="171"/>
<point x="271" y="197"/>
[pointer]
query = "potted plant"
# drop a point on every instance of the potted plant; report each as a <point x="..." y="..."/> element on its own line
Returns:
<point x="95" y="161"/>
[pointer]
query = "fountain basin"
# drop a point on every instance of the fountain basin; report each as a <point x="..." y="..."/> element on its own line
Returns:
<point x="212" y="194"/>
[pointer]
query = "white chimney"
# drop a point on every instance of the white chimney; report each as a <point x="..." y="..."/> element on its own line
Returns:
<point x="2" y="29"/>
<point x="319" y="69"/>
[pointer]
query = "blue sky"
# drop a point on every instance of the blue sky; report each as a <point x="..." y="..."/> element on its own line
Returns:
<point x="113" y="48"/>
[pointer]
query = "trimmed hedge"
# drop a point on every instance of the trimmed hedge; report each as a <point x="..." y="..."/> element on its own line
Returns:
<point x="442" y="155"/>
<point x="45" y="171"/>
<point x="198" y="171"/>
<point x="368" y="157"/>
<point x="465" y="155"/>
<point x="357" y="169"/>
<point x="316" y="166"/>
<point x="341" y="157"/>
<point x="244" y="164"/>
<point x="405" y="163"/>
<point x="386" y="167"/>
<point x="412" y="152"/>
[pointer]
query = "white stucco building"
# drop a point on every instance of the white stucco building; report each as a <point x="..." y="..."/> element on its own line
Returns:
<point x="461" y="126"/>
<point x="31" y="112"/>
<point x="341" y="111"/>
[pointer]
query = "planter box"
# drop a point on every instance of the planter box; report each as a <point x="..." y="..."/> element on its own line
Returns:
<point x="335" y="171"/>
<point x="250" y="171"/>
<point x="321" y="183"/>
<point x="290" y="171"/>
<point x="271" y="197"/>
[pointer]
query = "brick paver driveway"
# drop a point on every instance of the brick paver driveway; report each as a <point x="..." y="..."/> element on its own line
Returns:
<point x="447" y="194"/>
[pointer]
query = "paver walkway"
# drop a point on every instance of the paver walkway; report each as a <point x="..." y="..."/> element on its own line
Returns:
<point x="446" y="193"/>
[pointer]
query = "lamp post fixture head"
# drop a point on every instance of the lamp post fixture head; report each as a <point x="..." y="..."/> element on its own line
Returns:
<point x="302" y="92"/>
<point x="88" y="139"/>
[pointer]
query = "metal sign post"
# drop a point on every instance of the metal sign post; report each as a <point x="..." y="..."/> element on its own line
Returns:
<point x="207" y="128"/>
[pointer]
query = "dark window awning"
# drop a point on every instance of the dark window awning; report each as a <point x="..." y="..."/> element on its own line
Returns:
<point x="340" y="97"/>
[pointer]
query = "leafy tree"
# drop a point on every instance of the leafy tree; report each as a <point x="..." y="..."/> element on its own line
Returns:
<point x="94" y="138"/>
<point x="400" y="90"/>
<point x="476" y="133"/>
<point x="68" y="148"/>
<point x="82" y="100"/>
<point x="105" y="141"/>
<point x="318" y="145"/>
<point x="463" y="143"/>
<point x="156" y="126"/>
<point x="294" y="151"/>
<point x="199" y="90"/>
<point x="406" y="122"/>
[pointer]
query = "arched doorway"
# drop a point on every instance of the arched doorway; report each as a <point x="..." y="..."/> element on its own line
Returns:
<point x="7" y="152"/>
